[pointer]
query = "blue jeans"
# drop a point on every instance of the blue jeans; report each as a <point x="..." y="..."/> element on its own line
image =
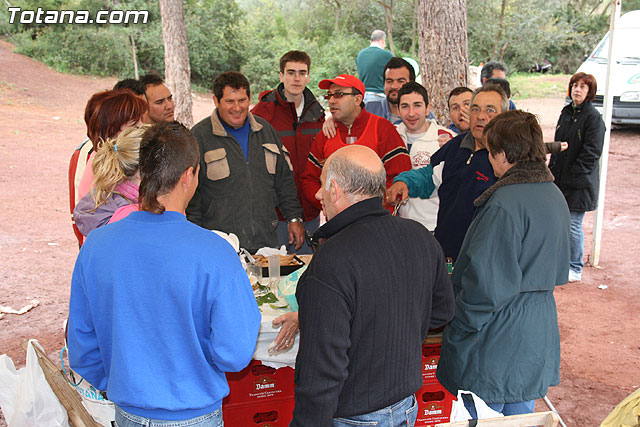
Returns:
<point x="400" y="414"/>
<point x="125" y="419"/>
<point x="283" y="236"/>
<point x="515" y="408"/>
<point x="576" y="241"/>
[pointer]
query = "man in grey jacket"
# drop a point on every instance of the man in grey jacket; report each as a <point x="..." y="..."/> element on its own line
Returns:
<point x="245" y="171"/>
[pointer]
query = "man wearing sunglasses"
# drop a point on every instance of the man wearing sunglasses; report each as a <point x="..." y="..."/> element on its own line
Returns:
<point x="354" y="126"/>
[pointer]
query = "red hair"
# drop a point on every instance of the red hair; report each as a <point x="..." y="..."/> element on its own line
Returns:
<point x="589" y="80"/>
<point x="111" y="110"/>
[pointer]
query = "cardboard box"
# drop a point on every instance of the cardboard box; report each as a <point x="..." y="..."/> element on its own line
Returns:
<point x="434" y="405"/>
<point x="265" y="413"/>
<point x="258" y="382"/>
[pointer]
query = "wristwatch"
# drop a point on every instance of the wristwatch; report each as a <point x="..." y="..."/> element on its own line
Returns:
<point x="295" y="220"/>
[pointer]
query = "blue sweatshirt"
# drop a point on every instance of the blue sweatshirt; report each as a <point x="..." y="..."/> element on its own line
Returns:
<point x="465" y="174"/>
<point x="160" y="308"/>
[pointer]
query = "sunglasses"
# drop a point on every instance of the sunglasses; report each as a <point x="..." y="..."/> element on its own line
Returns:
<point x="338" y="95"/>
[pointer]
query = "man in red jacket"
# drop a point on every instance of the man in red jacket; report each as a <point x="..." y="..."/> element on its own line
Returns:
<point x="354" y="126"/>
<point x="297" y="116"/>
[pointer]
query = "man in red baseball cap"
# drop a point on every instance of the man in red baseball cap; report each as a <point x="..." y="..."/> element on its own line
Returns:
<point x="355" y="125"/>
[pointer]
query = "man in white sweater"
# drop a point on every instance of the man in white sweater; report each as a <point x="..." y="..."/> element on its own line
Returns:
<point x="423" y="137"/>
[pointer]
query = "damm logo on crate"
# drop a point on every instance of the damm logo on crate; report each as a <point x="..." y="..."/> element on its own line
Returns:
<point x="264" y="387"/>
<point x="431" y="364"/>
<point x="433" y="409"/>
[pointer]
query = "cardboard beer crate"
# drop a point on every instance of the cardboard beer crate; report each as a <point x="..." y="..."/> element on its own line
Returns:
<point x="434" y="405"/>
<point x="264" y="413"/>
<point x="258" y="382"/>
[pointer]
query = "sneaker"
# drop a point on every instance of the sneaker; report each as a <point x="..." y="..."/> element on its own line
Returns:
<point x="574" y="276"/>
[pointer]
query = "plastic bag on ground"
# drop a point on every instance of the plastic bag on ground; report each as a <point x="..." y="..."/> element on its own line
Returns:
<point x="459" y="411"/>
<point x="26" y="398"/>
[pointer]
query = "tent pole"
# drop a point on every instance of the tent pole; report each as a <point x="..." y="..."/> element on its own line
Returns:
<point x="604" y="158"/>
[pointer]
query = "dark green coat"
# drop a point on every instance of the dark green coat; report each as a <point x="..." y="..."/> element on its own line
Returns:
<point x="503" y="343"/>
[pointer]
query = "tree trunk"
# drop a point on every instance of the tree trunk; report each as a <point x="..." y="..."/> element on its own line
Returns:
<point x="337" y="18"/>
<point x="496" y="46"/>
<point x="443" y="50"/>
<point x="388" y="19"/>
<point x="414" y="29"/>
<point x="135" y="57"/>
<point x="176" y="58"/>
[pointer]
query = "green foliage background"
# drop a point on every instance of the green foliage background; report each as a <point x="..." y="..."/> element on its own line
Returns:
<point x="251" y="35"/>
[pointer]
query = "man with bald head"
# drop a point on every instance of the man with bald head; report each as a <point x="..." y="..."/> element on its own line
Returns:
<point x="374" y="288"/>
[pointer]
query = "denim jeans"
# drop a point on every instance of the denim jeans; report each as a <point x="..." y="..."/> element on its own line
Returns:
<point x="576" y="241"/>
<point x="400" y="414"/>
<point x="125" y="419"/>
<point x="516" y="408"/>
<point x="283" y="235"/>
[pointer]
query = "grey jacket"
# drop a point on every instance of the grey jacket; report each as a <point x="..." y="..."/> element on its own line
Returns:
<point x="240" y="197"/>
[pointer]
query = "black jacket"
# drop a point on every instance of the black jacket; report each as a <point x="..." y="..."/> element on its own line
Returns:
<point x="577" y="169"/>
<point x="367" y="300"/>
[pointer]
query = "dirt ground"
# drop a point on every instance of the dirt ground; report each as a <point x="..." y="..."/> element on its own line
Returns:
<point x="41" y="122"/>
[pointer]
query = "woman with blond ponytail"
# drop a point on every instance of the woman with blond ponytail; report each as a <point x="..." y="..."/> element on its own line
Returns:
<point x="115" y="182"/>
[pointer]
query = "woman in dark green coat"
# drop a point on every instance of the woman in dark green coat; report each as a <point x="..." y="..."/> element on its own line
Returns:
<point x="503" y="343"/>
<point x="577" y="170"/>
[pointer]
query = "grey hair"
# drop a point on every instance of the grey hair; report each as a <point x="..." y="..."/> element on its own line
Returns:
<point x="493" y="88"/>
<point x="487" y="70"/>
<point x="357" y="182"/>
<point x="378" y="35"/>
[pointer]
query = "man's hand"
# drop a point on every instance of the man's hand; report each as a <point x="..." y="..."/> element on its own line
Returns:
<point x="288" y="330"/>
<point x="296" y="234"/>
<point x="397" y="193"/>
<point x="329" y="127"/>
<point x="464" y="115"/>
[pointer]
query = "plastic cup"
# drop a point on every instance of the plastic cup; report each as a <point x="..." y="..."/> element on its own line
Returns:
<point x="274" y="271"/>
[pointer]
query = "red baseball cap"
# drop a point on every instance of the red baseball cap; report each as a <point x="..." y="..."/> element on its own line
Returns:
<point x="344" y="80"/>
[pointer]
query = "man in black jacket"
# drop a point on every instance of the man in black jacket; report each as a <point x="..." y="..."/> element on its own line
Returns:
<point x="374" y="288"/>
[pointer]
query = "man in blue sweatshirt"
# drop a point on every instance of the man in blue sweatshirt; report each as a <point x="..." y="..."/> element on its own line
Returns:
<point x="161" y="308"/>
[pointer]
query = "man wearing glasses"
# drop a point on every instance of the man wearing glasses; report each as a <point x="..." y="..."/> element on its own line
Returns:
<point x="297" y="117"/>
<point x="354" y="126"/>
<point x="460" y="171"/>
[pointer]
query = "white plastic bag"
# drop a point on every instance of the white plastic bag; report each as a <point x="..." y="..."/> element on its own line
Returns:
<point x="102" y="410"/>
<point x="25" y="395"/>
<point x="460" y="413"/>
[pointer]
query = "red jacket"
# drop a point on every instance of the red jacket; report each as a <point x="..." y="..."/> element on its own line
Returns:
<point x="382" y="138"/>
<point x="296" y="136"/>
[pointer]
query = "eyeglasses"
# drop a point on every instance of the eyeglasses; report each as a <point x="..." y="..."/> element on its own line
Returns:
<point x="338" y="95"/>
<point x="488" y="110"/>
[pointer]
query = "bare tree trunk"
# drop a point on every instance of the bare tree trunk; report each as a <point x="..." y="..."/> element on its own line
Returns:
<point x="496" y="46"/>
<point x="135" y="57"/>
<point x="388" y="19"/>
<point x="414" y="28"/>
<point x="176" y="58"/>
<point x="337" y="19"/>
<point x="443" y="50"/>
